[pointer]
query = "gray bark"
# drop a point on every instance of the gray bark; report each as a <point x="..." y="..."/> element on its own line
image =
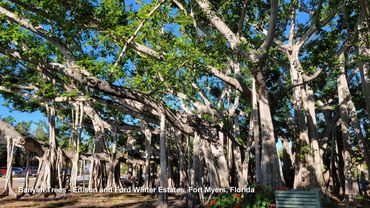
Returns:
<point x="148" y="154"/>
<point x="197" y="167"/>
<point x="270" y="167"/>
<point x="8" y="189"/>
<point x="344" y="99"/>
<point x="364" y="50"/>
<point x="213" y="177"/>
<point x="307" y="168"/>
<point x="255" y="132"/>
<point x="163" y="163"/>
<point x="220" y="163"/>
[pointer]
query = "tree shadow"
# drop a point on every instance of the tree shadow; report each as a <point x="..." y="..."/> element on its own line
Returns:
<point x="68" y="203"/>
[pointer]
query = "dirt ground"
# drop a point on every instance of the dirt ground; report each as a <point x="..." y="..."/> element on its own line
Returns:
<point x="89" y="200"/>
<point x="82" y="199"/>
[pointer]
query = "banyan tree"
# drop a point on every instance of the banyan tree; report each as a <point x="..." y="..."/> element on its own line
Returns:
<point x="180" y="94"/>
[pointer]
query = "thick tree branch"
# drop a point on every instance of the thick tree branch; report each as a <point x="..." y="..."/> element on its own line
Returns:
<point x="237" y="84"/>
<point x="80" y="75"/>
<point x="233" y="39"/>
<point x="221" y="26"/>
<point x="242" y="17"/>
<point x="205" y="5"/>
<point x="272" y="28"/>
<point x="312" y="77"/>
<point x="28" y="143"/>
<point x="88" y="109"/>
<point x="201" y="107"/>
<point x="292" y="27"/>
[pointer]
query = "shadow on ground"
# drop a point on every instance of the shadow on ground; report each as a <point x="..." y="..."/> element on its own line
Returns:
<point x="83" y="200"/>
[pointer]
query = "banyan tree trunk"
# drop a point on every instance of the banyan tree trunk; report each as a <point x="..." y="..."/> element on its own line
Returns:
<point x="270" y="168"/>
<point x="318" y="163"/>
<point x="242" y="173"/>
<point x="288" y="170"/>
<point x="148" y="155"/>
<point x="74" y="170"/>
<point x="47" y="172"/>
<point x="335" y="165"/>
<point x="364" y="50"/>
<point x="26" y="175"/>
<point x="305" y="173"/>
<point x="163" y="200"/>
<point x="8" y="191"/>
<point x="170" y="165"/>
<point x="117" y="174"/>
<point x="91" y="175"/>
<point x="189" y="195"/>
<point x="255" y="131"/>
<point x="230" y="161"/>
<point x="111" y="169"/>
<point x="220" y="162"/>
<point x="96" y="173"/>
<point x="344" y="99"/>
<point x="59" y="167"/>
<point x="182" y="160"/>
<point x="97" y="166"/>
<point x="198" y="168"/>
<point x="213" y="177"/>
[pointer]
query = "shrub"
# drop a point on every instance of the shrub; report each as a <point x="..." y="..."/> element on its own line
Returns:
<point x="226" y="200"/>
<point x="262" y="198"/>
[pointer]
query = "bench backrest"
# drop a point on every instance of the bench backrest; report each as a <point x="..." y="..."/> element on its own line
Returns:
<point x="297" y="199"/>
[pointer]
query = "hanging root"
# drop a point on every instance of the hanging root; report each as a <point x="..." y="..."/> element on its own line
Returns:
<point x="26" y="177"/>
<point x="59" y="167"/>
<point x="8" y="191"/>
<point x="112" y="164"/>
<point x="74" y="172"/>
<point x="117" y="174"/>
<point x="96" y="175"/>
<point x="45" y="178"/>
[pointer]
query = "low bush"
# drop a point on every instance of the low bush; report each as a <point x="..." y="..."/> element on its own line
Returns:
<point x="263" y="197"/>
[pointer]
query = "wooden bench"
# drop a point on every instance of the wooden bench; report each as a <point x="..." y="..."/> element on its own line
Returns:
<point x="297" y="199"/>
